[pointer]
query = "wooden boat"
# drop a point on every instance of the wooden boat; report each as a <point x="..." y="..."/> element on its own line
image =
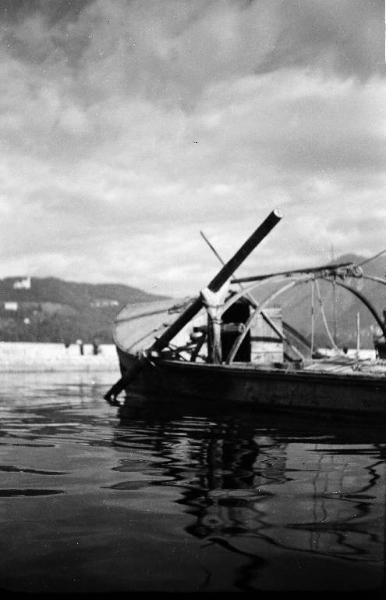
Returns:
<point x="213" y="349"/>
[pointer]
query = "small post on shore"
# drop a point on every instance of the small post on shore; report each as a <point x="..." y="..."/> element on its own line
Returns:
<point x="358" y="334"/>
<point x="312" y="316"/>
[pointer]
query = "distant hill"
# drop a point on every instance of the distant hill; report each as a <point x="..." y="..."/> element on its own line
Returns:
<point x="53" y="310"/>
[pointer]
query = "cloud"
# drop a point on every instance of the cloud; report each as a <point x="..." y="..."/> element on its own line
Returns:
<point x="128" y="127"/>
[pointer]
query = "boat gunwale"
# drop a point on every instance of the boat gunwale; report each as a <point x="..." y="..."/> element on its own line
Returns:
<point x="265" y="371"/>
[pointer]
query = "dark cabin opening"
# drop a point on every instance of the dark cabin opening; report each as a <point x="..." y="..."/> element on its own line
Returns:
<point x="236" y="314"/>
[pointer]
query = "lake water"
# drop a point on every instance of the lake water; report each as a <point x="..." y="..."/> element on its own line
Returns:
<point x="182" y="499"/>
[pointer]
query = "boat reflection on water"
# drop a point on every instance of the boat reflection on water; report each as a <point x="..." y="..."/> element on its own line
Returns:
<point x="298" y="505"/>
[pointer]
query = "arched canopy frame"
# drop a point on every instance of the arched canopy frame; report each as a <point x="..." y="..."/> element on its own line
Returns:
<point x="295" y="281"/>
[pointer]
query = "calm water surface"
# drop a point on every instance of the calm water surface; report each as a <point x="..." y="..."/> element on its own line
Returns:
<point x="182" y="499"/>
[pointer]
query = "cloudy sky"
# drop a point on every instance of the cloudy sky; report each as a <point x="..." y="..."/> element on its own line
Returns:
<point x="129" y="126"/>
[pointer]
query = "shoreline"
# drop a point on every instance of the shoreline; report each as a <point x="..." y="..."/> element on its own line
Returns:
<point x="27" y="357"/>
<point x="31" y="357"/>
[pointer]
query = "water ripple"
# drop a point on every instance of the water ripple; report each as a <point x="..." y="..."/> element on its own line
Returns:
<point x="6" y="493"/>
<point x="13" y="469"/>
<point x="183" y="498"/>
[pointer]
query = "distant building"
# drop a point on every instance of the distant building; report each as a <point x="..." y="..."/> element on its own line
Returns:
<point x="11" y="306"/>
<point x="22" y="284"/>
<point x="100" y="303"/>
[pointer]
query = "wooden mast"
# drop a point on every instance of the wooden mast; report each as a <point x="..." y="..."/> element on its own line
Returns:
<point x="218" y="281"/>
<point x="214" y="286"/>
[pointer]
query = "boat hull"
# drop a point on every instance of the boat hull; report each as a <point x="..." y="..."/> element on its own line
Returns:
<point x="265" y="388"/>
